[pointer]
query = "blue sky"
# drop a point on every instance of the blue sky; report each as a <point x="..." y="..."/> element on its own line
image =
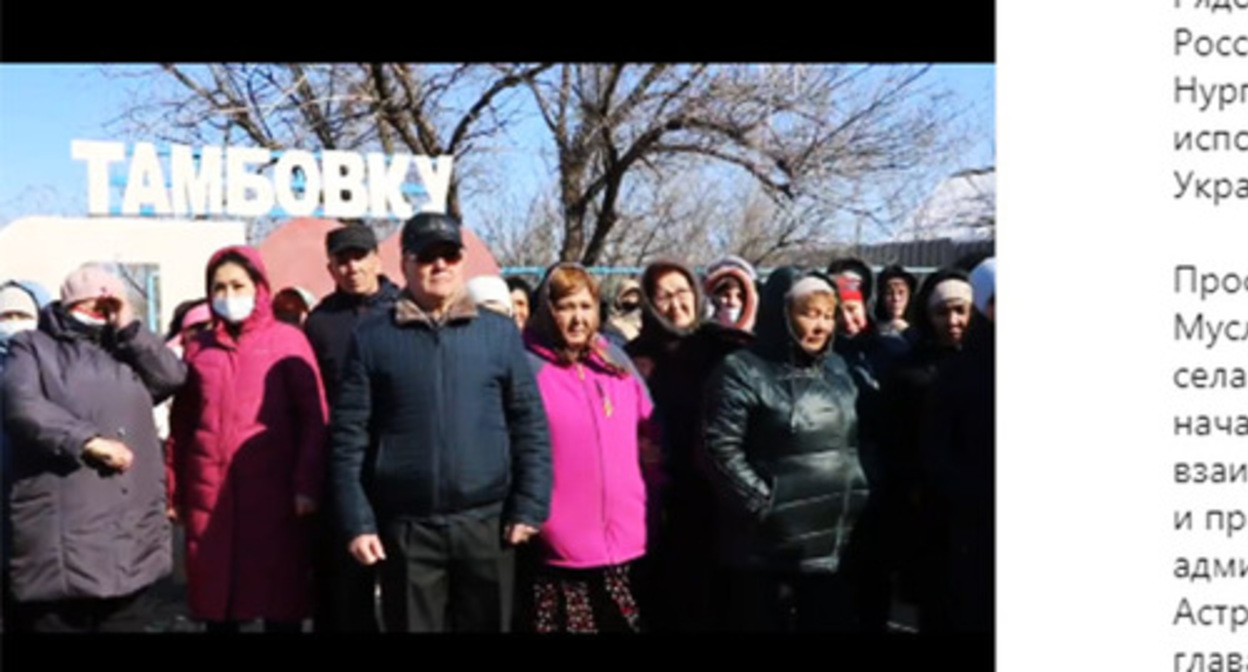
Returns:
<point x="44" y="107"/>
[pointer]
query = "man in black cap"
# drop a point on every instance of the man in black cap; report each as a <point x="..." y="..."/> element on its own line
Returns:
<point x="361" y="290"/>
<point x="440" y="447"/>
<point x="346" y="600"/>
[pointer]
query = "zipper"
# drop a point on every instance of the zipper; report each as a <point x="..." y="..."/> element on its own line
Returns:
<point x="232" y="592"/>
<point x="602" y="472"/>
<point x="849" y="483"/>
<point x="439" y="396"/>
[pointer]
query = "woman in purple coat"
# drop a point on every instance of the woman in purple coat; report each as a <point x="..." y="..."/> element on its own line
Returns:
<point x="599" y="415"/>
<point x="85" y="483"/>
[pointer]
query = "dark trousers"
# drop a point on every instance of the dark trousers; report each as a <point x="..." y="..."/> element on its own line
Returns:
<point x="680" y="585"/>
<point x="456" y="576"/>
<point x="345" y="589"/>
<point x="130" y="613"/>
<point x="782" y="602"/>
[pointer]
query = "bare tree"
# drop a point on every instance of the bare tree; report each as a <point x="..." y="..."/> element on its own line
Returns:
<point x="521" y="233"/>
<point x="422" y="109"/>
<point x="41" y="200"/>
<point x="646" y="158"/>
<point x="961" y="206"/>
<point x="808" y="136"/>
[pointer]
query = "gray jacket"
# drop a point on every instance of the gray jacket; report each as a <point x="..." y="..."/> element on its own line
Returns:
<point x="81" y="530"/>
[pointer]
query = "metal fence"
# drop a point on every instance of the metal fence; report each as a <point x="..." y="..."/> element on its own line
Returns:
<point x="919" y="257"/>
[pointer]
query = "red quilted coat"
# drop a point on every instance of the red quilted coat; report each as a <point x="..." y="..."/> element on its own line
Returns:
<point x="248" y="434"/>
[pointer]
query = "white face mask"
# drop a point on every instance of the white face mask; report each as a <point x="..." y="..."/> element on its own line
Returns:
<point x="87" y="320"/>
<point x="234" y="309"/>
<point x="728" y="316"/>
<point x="11" y="328"/>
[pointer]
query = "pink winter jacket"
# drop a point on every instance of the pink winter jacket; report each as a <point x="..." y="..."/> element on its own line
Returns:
<point x="599" y="432"/>
<point x="248" y="435"/>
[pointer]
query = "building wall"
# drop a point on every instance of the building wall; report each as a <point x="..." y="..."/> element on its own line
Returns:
<point x="47" y="249"/>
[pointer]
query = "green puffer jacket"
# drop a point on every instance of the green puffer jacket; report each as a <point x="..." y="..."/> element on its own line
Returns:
<point x="781" y="448"/>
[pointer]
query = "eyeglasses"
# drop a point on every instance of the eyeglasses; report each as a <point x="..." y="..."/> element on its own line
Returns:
<point x="665" y="299"/>
<point x="449" y="253"/>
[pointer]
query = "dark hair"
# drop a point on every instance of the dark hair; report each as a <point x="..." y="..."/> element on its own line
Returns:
<point x="881" y="286"/>
<point x="236" y="258"/>
<point x="515" y="282"/>
<point x="179" y="316"/>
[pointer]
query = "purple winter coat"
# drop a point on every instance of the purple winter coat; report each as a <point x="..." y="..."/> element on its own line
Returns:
<point x="599" y="430"/>
<point x="82" y="531"/>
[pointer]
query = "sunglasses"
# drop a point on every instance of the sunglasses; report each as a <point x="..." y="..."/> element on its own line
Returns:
<point x="448" y="253"/>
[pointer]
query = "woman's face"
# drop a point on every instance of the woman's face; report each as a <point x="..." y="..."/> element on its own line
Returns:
<point x="728" y="295"/>
<point x="231" y="281"/>
<point x="853" y="317"/>
<point x="519" y="307"/>
<point x="896" y="296"/>
<point x="814" y="322"/>
<point x="576" y="316"/>
<point x="674" y="298"/>
<point x="949" y="320"/>
<point x="99" y="307"/>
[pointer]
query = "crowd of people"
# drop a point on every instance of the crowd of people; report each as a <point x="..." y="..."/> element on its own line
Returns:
<point x="694" y="450"/>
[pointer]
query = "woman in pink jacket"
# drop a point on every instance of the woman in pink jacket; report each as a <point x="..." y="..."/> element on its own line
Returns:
<point x="600" y="433"/>
<point x="247" y="455"/>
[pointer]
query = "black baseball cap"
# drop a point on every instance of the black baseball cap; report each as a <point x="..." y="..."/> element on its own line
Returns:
<point x="350" y="237"/>
<point x="427" y="228"/>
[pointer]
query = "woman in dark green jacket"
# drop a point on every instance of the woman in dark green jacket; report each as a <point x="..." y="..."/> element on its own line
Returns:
<point x="781" y="449"/>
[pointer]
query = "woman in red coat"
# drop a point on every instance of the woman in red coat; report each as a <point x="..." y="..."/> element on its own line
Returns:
<point x="247" y="455"/>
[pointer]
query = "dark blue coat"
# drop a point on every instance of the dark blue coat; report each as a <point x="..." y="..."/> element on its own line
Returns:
<point x="436" y="419"/>
<point x="330" y="324"/>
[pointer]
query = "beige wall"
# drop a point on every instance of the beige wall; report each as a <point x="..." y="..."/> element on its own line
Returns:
<point x="46" y="249"/>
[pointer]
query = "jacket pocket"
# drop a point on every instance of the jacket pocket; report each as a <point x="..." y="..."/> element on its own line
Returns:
<point x="484" y="473"/>
<point x="799" y="510"/>
<point x="402" y="475"/>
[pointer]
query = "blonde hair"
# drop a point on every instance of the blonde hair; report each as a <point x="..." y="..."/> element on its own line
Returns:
<point x="804" y="301"/>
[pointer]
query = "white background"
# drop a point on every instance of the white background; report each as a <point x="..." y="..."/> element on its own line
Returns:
<point x="1089" y="236"/>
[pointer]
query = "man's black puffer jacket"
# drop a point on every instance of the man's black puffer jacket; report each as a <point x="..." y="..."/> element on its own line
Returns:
<point x="781" y="448"/>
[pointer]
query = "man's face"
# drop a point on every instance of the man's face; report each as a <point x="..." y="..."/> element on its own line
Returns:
<point x="356" y="271"/>
<point x="436" y="275"/>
